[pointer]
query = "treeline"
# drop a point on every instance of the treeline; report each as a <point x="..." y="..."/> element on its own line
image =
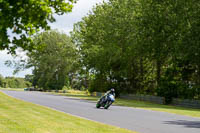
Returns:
<point x="142" y="46"/>
<point x="13" y="82"/>
<point x="136" y="46"/>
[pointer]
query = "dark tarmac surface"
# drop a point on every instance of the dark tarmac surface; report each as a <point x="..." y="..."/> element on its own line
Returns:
<point x="139" y="120"/>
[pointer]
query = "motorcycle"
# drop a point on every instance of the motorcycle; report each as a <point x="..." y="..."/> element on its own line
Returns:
<point x="105" y="101"/>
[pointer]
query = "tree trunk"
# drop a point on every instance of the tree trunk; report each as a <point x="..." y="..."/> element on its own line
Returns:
<point x="141" y="74"/>
<point x="158" y="72"/>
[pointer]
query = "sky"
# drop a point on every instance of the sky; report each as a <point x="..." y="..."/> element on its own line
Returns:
<point x="63" y="23"/>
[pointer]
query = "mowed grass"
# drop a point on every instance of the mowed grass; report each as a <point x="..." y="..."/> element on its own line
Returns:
<point x="157" y="107"/>
<point x="12" y="89"/>
<point x="17" y="116"/>
<point x="140" y="104"/>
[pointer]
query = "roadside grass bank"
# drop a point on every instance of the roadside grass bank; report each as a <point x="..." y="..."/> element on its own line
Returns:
<point x="17" y="116"/>
<point x="138" y="104"/>
<point x="12" y="89"/>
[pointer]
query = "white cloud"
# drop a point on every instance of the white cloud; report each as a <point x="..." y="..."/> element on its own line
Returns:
<point x="4" y="56"/>
<point x="81" y="9"/>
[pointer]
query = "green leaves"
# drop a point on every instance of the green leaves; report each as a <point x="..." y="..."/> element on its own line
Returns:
<point x="25" y="18"/>
<point x="133" y="44"/>
<point x="11" y="82"/>
<point x="53" y="59"/>
<point x="106" y="37"/>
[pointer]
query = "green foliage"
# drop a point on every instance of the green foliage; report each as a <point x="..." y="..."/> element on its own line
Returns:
<point x="25" y="18"/>
<point x="13" y="82"/>
<point x="54" y="60"/>
<point x="66" y="88"/>
<point x="29" y="78"/>
<point x="98" y="84"/>
<point x="105" y="43"/>
<point x="142" y="46"/>
<point x="1" y="81"/>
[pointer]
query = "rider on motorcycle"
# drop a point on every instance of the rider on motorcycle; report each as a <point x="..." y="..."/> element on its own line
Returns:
<point x="111" y="91"/>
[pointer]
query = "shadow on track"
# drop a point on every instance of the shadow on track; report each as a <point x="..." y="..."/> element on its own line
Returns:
<point x="188" y="124"/>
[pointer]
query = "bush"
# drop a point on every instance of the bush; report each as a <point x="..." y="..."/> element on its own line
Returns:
<point x="66" y="88"/>
<point x="168" y="90"/>
<point x="12" y="82"/>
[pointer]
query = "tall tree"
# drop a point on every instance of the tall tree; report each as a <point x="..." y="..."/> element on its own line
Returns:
<point x="143" y="45"/>
<point x="53" y="60"/>
<point x="105" y="38"/>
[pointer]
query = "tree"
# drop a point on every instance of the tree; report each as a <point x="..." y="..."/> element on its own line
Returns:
<point x="25" y="18"/>
<point x="53" y="60"/>
<point x="142" y="46"/>
<point x="106" y="39"/>
<point x="169" y="32"/>
<point x="1" y="81"/>
<point x="29" y="78"/>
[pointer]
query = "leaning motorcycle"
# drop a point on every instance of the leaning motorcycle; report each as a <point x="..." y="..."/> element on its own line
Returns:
<point x="105" y="101"/>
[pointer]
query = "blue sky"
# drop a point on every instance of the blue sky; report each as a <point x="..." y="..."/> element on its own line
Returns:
<point x="63" y="23"/>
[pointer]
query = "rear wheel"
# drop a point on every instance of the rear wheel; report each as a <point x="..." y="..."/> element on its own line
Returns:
<point x="107" y="105"/>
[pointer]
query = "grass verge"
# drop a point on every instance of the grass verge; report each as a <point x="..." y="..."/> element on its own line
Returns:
<point x="17" y="116"/>
<point x="12" y="89"/>
<point x="140" y="104"/>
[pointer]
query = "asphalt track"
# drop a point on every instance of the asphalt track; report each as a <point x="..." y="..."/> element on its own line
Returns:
<point x="140" y="120"/>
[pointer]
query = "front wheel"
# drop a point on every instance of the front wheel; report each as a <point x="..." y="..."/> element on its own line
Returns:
<point x="98" y="105"/>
